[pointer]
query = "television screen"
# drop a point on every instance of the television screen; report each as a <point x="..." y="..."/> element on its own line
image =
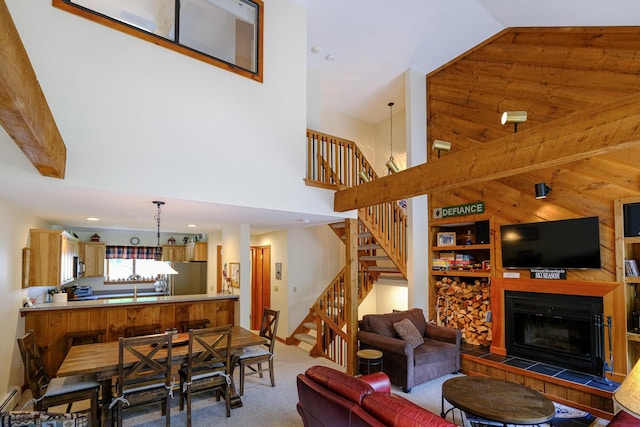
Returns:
<point x="568" y="243"/>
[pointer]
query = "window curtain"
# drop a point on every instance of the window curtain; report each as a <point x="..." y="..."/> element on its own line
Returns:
<point x="131" y="252"/>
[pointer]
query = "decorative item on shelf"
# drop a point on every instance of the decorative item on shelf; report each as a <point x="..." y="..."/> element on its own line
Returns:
<point x="185" y="240"/>
<point x="95" y="237"/>
<point x="469" y="238"/>
<point x="446" y="238"/>
<point x="171" y="241"/>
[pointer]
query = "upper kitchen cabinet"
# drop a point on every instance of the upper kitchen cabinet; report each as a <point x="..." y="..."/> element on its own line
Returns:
<point x="52" y="257"/>
<point x="175" y="253"/>
<point x="196" y="251"/>
<point x="93" y="257"/>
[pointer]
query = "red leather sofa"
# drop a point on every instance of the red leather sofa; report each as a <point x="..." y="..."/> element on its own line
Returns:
<point x="328" y="397"/>
<point x="624" y="419"/>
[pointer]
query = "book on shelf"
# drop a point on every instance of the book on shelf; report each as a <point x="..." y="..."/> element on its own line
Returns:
<point x="631" y="268"/>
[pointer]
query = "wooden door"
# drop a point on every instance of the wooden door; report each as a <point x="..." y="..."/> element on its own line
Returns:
<point x="260" y="283"/>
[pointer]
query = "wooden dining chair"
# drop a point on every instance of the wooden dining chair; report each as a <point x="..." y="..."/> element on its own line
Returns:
<point x="185" y="325"/>
<point x="208" y="366"/>
<point x="144" y="374"/>
<point x="84" y="337"/>
<point x="47" y="392"/>
<point x="140" y="330"/>
<point x="254" y="357"/>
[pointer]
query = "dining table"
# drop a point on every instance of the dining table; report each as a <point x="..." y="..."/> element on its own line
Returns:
<point x="101" y="359"/>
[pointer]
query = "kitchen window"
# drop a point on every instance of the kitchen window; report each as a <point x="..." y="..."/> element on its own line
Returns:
<point x="126" y="264"/>
<point x="224" y="33"/>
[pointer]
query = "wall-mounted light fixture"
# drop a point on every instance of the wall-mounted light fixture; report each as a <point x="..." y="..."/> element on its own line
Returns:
<point x="514" y="117"/>
<point x="391" y="165"/>
<point x="542" y="190"/>
<point x="441" y="146"/>
<point x="364" y="177"/>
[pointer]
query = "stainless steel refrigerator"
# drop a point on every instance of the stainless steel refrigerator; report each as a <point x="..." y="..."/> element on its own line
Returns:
<point x="191" y="278"/>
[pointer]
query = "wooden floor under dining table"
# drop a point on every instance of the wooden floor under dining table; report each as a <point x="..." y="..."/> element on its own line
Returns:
<point x="101" y="359"/>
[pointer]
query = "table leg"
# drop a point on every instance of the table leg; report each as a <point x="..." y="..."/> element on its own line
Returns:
<point x="107" y="396"/>
<point x="236" y="401"/>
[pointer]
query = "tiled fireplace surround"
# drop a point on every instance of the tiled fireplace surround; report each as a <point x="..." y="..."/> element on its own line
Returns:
<point x="572" y="388"/>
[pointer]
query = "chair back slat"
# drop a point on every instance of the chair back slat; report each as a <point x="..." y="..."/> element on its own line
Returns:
<point x="269" y="327"/>
<point x="34" y="367"/>
<point x="210" y="347"/>
<point x="147" y="364"/>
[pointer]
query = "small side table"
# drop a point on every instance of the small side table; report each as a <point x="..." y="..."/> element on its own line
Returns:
<point x="369" y="358"/>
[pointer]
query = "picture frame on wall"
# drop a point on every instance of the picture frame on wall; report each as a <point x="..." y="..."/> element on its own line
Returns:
<point x="234" y="274"/>
<point x="447" y="238"/>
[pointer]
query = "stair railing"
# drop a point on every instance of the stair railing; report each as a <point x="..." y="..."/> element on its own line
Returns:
<point x="334" y="162"/>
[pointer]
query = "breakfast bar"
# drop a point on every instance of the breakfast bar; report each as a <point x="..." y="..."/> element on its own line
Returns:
<point x="53" y="321"/>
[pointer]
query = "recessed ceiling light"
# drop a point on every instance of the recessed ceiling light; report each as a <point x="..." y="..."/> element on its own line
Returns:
<point x="304" y="220"/>
<point x="330" y="58"/>
<point x="315" y="49"/>
<point x="191" y="225"/>
<point x="92" y="218"/>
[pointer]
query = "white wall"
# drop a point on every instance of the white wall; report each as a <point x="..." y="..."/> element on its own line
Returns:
<point x="14" y="229"/>
<point x="316" y="256"/>
<point x="141" y="119"/>
<point x="278" y="244"/>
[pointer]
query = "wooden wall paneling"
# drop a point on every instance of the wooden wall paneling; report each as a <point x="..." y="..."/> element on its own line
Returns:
<point x="167" y="316"/>
<point x="117" y="323"/>
<point x="56" y="339"/>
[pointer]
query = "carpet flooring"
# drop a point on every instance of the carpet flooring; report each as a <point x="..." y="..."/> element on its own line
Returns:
<point x="267" y="406"/>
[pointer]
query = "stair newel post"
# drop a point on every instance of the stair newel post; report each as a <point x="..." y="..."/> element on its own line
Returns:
<point x="351" y="294"/>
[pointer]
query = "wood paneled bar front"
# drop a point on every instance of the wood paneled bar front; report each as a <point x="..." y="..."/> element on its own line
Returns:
<point x="53" y="321"/>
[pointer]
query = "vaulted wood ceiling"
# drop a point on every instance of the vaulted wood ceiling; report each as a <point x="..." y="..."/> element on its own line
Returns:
<point x="578" y="86"/>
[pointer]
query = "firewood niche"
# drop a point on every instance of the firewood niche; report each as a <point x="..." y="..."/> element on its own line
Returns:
<point x="465" y="304"/>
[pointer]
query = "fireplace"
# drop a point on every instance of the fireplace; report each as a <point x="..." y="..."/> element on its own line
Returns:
<point x="562" y="330"/>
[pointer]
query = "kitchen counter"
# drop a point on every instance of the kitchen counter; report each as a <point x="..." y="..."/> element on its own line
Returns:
<point x="53" y="321"/>
<point x="123" y="300"/>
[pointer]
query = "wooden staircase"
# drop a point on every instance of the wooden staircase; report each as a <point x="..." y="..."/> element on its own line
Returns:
<point x="335" y="163"/>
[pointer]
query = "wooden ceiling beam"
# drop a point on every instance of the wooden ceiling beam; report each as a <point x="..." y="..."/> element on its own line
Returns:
<point x="24" y="112"/>
<point x="607" y="128"/>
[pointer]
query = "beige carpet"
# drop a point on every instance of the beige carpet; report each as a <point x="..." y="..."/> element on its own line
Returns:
<point x="262" y="404"/>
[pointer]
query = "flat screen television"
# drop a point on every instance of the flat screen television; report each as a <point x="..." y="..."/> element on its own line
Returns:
<point x="568" y="244"/>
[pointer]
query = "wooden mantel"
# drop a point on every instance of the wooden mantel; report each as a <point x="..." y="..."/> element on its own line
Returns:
<point x="612" y="294"/>
<point x="24" y="112"/>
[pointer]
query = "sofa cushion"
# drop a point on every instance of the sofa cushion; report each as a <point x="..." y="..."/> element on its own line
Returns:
<point x="434" y="351"/>
<point x="346" y="386"/>
<point x="382" y="324"/>
<point x="408" y="332"/>
<point x="395" y="410"/>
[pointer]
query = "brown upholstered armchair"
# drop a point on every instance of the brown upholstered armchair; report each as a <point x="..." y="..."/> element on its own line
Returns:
<point x="406" y="363"/>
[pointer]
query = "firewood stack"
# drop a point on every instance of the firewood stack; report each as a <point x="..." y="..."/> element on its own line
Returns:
<point x="464" y="306"/>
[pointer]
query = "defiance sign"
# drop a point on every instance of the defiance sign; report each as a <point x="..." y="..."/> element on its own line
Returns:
<point x="459" y="210"/>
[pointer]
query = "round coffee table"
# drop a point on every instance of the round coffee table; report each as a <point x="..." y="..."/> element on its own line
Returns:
<point x="497" y="400"/>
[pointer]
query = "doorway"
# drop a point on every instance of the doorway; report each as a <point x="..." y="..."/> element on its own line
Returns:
<point x="260" y="283"/>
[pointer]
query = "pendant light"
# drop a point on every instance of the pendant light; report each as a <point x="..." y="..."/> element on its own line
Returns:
<point x="161" y="268"/>
<point x="391" y="165"/>
<point x="158" y="253"/>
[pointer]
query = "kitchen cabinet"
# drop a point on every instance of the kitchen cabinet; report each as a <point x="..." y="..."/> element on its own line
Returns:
<point x="196" y="251"/>
<point x="175" y="253"/>
<point x="93" y="256"/>
<point x="51" y="260"/>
